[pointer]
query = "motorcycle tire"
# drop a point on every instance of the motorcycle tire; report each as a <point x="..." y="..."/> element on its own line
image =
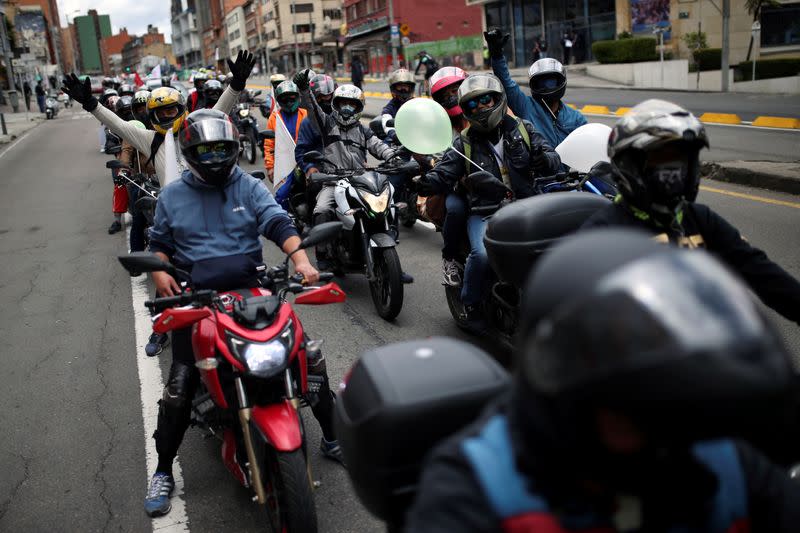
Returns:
<point x="453" y="296"/>
<point x="251" y="150"/>
<point x="387" y="288"/>
<point x="290" y="502"/>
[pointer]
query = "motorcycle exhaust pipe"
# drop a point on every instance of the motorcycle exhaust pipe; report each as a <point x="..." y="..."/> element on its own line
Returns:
<point x="244" y="417"/>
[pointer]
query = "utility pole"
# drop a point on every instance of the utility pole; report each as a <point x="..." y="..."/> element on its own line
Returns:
<point x="294" y="32"/>
<point x="393" y="35"/>
<point x="261" y="42"/>
<point x="726" y="20"/>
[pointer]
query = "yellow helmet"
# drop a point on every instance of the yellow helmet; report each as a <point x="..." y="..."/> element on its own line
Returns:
<point x="159" y="107"/>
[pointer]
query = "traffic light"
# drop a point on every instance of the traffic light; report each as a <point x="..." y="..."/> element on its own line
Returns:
<point x="128" y="69"/>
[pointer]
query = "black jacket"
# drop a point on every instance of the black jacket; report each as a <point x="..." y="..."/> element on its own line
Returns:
<point x="516" y="157"/>
<point x="703" y="228"/>
<point x="450" y="497"/>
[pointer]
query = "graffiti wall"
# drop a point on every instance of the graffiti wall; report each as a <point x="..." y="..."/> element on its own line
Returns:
<point x="31" y="32"/>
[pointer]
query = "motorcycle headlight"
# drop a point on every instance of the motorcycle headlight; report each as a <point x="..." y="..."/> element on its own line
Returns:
<point x="244" y="113"/>
<point x="264" y="359"/>
<point x="377" y="202"/>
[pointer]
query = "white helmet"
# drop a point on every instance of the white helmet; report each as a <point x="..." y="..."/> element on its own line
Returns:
<point x="347" y="103"/>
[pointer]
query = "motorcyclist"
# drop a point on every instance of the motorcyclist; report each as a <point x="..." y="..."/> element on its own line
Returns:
<point x="126" y="89"/>
<point x="647" y="367"/>
<point x="119" y="202"/>
<point x="107" y="83"/>
<point x="212" y="91"/>
<point x="139" y="107"/>
<point x="444" y="90"/>
<point x="431" y="66"/>
<point x="196" y="98"/>
<point x="548" y="82"/>
<point x="124" y="108"/>
<point x="166" y="108"/>
<point x="346" y="142"/>
<point x="401" y="85"/>
<point x="275" y="80"/>
<point x="214" y="209"/>
<point x="291" y="116"/>
<point x="497" y="143"/>
<point x="107" y="93"/>
<point x="654" y="151"/>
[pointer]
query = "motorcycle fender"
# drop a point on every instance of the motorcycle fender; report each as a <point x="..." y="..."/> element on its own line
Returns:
<point x="175" y="318"/>
<point x="279" y="423"/>
<point x="330" y="293"/>
<point x="381" y="240"/>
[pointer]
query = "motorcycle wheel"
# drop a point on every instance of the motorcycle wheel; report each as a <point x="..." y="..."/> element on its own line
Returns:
<point x="290" y="500"/>
<point x="251" y="150"/>
<point x="387" y="288"/>
<point x="453" y="296"/>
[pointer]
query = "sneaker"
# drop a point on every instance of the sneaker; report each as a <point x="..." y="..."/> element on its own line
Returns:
<point x="474" y="319"/>
<point x="157" y="503"/>
<point x="452" y="273"/>
<point x="331" y="450"/>
<point x="155" y="345"/>
<point x="115" y="227"/>
<point x="406" y="278"/>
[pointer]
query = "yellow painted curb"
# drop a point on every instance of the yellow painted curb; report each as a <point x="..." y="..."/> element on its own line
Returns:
<point x="596" y="110"/>
<point x="721" y="118"/>
<point x="573" y="106"/>
<point x="621" y="111"/>
<point x="777" y="122"/>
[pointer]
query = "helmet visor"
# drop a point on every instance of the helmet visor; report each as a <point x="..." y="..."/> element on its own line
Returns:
<point x="478" y="103"/>
<point x="546" y="83"/>
<point x="214" y="153"/>
<point x="209" y="131"/>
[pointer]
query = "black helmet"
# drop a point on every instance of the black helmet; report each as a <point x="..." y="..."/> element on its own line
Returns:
<point x="108" y="83"/>
<point x="666" y="337"/>
<point x="210" y="143"/>
<point x="139" y="107"/>
<point x="654" y="150"/>
<point x="124" y="108"/>
<point x="126" y="89"/>
<point x="547" y="79"/>
<point x="212" y="90"/>
<point x="200" y="80"/>
<point x="471" y="91"/>
<point x="323" y="87"/>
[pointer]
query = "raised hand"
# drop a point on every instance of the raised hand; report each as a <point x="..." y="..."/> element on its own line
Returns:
<point x="80" y="91"/>
<point x="241" y="69"/>
<point x="495" y="40"/>
<point x="301" y="79"/>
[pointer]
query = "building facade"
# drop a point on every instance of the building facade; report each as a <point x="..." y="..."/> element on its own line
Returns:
<point x="368" y="30"/>
<point x="144" y="52"/>
<point x="111" y="52"/>
<point x="303" y="33"/>
<point x="186" y="43"/>
<point x="89" y="30"/>
<point x="235" y="30"/>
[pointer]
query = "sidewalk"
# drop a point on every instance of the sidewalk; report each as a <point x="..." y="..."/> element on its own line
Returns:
<point x="18" y="123"/>
<point x="772" y="175"/>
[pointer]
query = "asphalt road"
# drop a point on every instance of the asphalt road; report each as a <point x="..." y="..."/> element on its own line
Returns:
<point x="746" y="105"/>
<point x="73" y="450"/>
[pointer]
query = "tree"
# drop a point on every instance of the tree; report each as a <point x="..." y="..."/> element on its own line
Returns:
<point x="754" y="7"/>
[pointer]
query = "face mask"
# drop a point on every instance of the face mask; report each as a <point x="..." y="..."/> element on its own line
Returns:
<point x="450" y="102"/>
<point x="347" y="110"/>
<point x="326" y="106"/>
<point x="291" y="107"/>
<point x="668" y="181"/>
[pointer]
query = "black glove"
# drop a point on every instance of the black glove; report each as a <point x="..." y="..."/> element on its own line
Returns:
<point x="424" y="186"/>
<point x="495" y="40"/>
<point x="240" y="70"/>
<point x="80" y="91"/>
<point x="301" y="79"/>
<point x="537" y="157"/>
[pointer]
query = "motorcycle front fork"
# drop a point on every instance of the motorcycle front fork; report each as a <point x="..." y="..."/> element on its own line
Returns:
<point x="368" y="259"/>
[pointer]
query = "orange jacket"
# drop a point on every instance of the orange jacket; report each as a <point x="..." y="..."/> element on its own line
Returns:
<point x="269" y="144"/>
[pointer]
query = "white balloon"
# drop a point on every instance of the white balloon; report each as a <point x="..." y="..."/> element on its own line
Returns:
<point x="585" y="147"/>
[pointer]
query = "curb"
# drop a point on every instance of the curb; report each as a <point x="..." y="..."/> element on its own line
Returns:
<point x="750" y="177"/>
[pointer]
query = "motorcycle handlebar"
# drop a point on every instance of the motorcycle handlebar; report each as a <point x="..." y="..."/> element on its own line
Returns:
<point x="158" y="305"/>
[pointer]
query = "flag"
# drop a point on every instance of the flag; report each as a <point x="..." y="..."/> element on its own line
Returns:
<point x="155" y="73"/>
<point x="284" y="153"/>
<point x="137" y="79"/>
<point x="174" y="77"/>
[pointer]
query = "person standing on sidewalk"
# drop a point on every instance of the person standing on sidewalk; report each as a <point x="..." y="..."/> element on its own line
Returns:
<point x="357" y="72"/>
<point x="40" y="96"/>
<point x="26" y="92"/>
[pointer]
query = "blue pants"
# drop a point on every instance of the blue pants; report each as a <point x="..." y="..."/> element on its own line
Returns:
<point x="454" y="222"/>
<point x="138" y="222"/>
<point x="477" y="261"/>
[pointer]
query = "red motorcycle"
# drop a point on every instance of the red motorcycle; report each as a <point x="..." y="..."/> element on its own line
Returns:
<point x="251" y="351"/>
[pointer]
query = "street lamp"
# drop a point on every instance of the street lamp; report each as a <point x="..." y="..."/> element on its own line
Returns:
<point x="756" y="32"/>
<point x="660" y="30"/>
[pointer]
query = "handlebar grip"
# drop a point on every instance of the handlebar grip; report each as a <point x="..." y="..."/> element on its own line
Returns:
<point x="325" y="276"/>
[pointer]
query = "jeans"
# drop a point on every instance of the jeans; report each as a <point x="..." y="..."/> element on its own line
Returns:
<point x="477" y="261"/>
<point x="455" y="220"/>
<point x="101" y="134"/>
<point x="40" y="101"/>
<point x="138" y="222"/>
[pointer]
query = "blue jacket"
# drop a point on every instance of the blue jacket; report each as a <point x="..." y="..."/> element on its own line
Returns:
<point x="392" y="107"/>
<point x="195" y="221"/>
<point x="308" y="140"/>
<point x="527" y="108"/>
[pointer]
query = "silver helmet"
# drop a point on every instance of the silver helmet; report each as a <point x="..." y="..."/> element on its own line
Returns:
<point x="657" y="185"/>
<point x="401" y="75"/>
<point x="348" y="103"/>
<point x="470" y="91"/>
<point x="547" y="79"/>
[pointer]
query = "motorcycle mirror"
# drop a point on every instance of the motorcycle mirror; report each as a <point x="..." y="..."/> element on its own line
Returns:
<point x="256" y="93"/>
<point x="258" y="174"/>
<point x="114" y="163"/>
<point x="321" y="233"/>
<point x="266" y="134"/>
<point x="313" y="157"/>
<point x="145" y="262"/>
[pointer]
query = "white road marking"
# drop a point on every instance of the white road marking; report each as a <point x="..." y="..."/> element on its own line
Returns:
<point x="151" y="384"/>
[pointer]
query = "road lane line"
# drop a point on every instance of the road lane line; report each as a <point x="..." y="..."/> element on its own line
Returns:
<point x="761" y="199"/>
<point x="151" y="384"/>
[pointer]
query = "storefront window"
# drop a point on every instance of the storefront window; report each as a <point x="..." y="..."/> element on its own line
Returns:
<point x="497" y="16"/>
<point x="780" y="26"/>
<point x="527" y="27"/>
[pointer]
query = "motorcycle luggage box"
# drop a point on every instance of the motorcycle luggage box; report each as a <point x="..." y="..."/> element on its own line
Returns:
<point x="399" y="401"/>
<point x="522" y="231"/>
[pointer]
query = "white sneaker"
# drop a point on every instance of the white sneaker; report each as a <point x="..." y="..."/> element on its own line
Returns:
<point x="452" y="272"/>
